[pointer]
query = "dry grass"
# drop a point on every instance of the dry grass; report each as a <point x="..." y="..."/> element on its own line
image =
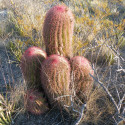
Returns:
<point x="99" y="108"/>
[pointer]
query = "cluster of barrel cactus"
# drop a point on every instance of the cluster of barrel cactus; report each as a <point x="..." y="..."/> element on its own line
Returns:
<point x="56" y="71"/>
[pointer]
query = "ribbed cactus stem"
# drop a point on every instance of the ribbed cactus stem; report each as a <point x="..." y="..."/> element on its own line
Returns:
<point x="58" y="31"/>
<point x="83" y="82"/>
<point x="30" y="65"/>
<point x="55" y="79"/>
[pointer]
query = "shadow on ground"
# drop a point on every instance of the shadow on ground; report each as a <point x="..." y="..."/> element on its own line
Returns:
<point x="53" y="117"/>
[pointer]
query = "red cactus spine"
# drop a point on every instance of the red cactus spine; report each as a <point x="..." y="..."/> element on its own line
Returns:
<point x="58" y="31"/>
<point x="35" y="102"/>
<point x="83" y="82"/>
<point x="55" y="78"/>
<point x="30" y="65"/>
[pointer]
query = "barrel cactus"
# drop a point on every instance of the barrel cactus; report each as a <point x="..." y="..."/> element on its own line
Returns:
<point x="30" y="65"/>
<point x="35" y="102"/>
<point x="55" y="79"/>
<point x="58" y="31"/>
<point x="81" y="70"/>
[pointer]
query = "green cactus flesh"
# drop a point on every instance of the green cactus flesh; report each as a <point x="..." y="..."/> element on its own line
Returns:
<point x="82" y="80"/>
<point x="55" y="79"/>
<point x="30" y="65"/>
<point x="58" y="31"/>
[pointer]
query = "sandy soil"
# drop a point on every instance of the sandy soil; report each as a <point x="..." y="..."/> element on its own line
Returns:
<point x="9" y="71"/>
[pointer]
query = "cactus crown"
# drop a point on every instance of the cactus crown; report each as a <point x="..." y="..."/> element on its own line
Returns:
<point x="31" y="51"/>
<point x="79" y="60"/>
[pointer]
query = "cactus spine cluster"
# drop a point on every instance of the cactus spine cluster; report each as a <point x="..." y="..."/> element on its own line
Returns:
<point x="58" y="31"/>
<point x="54" y="72"/>
<point x="55" y="78"/>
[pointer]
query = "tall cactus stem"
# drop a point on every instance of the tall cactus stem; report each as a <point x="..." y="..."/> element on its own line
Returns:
<point x="58" y="31"/>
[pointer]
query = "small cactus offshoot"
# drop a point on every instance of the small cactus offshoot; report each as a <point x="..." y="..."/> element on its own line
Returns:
<point x="35" y="102"/>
